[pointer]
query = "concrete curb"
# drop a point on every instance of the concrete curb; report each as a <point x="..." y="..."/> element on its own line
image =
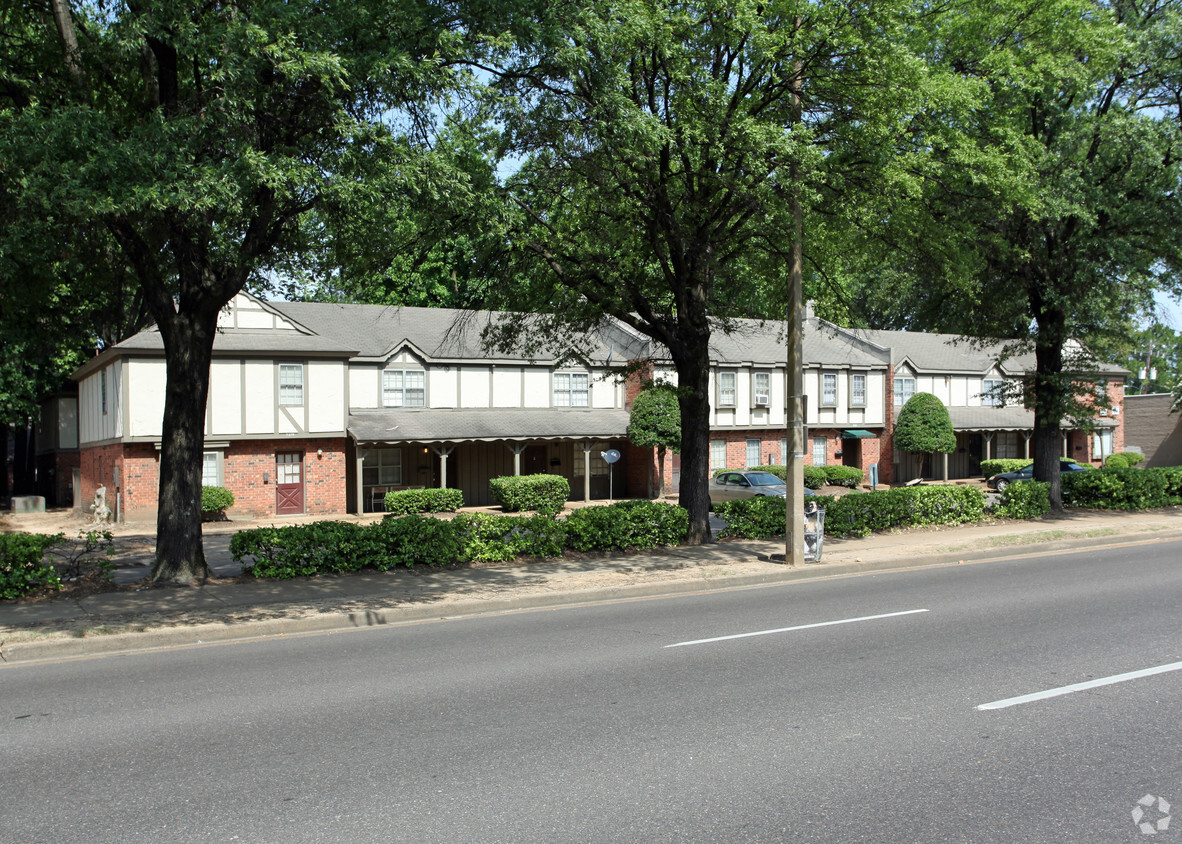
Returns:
<point x="194" y="635"/>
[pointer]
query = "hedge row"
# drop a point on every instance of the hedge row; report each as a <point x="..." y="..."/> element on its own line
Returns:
<point x="22" y="571"/>
<point x="545" y="494"/>
<point x="1123" y="489"/>
<point x="997" y="466"/>
<point x="438" y="500"/>
<point x="1025" y="500"/>
<point x="323" y="547"/>
<point x="860" y="513"/>
<point x="1123" y="460"/>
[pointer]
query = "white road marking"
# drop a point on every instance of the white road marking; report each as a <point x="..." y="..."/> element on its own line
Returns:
<point x="792" y="629"/>
<point x="1079" y="687"/>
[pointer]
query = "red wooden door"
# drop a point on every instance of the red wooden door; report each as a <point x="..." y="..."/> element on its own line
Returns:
<point x="289" y="483"/>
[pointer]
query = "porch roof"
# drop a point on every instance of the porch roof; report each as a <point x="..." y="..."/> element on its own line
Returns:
<point x="1004" y="419"/>
<point x="398" y="425"/>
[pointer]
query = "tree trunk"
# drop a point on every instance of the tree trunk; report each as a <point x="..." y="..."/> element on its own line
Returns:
<point x="660" y="471"/>
<point x="188" y="343"/>
<point x="1052" y="397"/>
<point x="693" y="371"/>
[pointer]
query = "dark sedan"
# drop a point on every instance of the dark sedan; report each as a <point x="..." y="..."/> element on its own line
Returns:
<point x="1001" y="481"/>
<point x="727" y="486"/>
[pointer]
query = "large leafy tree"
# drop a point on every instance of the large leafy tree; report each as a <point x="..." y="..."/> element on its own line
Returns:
<point x="663" y="148"/>
<point x="1050" y="210"/>
<point x="196" y="136"/>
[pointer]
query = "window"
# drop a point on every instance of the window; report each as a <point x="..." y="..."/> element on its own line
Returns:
<point x="210" y="476"/>
<point x="1101" y="444"/>
<point x="857" y="390"/>
<point x="991" y="392"/>
<point x="904" y="389"/>
<point x="404" y="388"/>
<point x="818" y="451"/>
<point x="762" y="389"/>
<point x="829" y="389"/>
<point x="598" y="464"/>
<point x="783" y="451"/>
<point x="753" y="454"/>
<point x="103" y="387"/>
<point x="717" y="454"/>
<point x="572" y="389"/>
<point x="291" y="384"/>
<point x="1009" y="445"/>
<point x="381" y="467"/>
<point x="726" y="389"/>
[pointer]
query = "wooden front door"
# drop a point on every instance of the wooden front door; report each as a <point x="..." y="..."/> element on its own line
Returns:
<point x="289" y="483"/>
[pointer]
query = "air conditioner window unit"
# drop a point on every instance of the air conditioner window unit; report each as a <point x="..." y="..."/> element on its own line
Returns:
<point x="761" y="401"/>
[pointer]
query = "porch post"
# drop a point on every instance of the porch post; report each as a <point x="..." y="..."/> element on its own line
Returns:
<point x="586" y="471"/>
<point x="945" y="467"/>
<point x="517" y="449"/>
<point x="359" y="485"/>
<point x="1065" y="446"/>
<point x="1026" y="435"/>
<point x="988" y="437"/>
<point x="443" y="451"/>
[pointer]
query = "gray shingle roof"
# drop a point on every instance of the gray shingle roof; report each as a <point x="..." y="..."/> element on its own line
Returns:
<point x="766" y="343"/>
<point x="1004" y="419"/>
<point x="501" y="424"/>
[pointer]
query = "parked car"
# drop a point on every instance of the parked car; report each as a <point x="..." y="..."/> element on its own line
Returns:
<point x="727" y="486"/>
<point x="1001" y="481"/>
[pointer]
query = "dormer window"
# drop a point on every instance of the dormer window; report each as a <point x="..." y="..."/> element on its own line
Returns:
<point x="291" y="384"/>
<point x="761" y="391"/>
<point x="857" y="389"/>
<point x="991" y="392"/>
<point x="829" y="389"/>
<point x="726" y="389"/>
<point x="404" y="388"/>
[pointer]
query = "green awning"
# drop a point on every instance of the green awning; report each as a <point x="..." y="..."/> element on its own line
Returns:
<point x="857" y="435"/>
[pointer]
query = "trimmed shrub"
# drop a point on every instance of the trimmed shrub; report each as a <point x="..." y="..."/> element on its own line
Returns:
<point x="1116" y="461"/>
<point x="780" y="472"/>
<point x="989" y="468"/>
<point x="924" y="426"/>
<point x="22" y="571"/>
<point x="863" y="513"/>
<point x="303" y="550"/>
<point x="545" y="494"/>
<point x="416" y="540"/>
<point x="1025" y="500"/>
<point x="849" y="476"/>
<point x="761" y="517"/>
<point x="1134" y="458"/>
<point x="488" y="538"/>
<point x="1121" y="489"/>
<point x="815" y="477"/>
<point x="215" y="501"/>
<point x="404" y="501"/>
<point x="627" y="524"/>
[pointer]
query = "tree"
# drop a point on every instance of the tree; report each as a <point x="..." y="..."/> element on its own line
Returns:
<point x="924" y="426"/>
<point x="1050" y="210"/>
<point x="197" y="136"/>
<point x="663" y="149"/>
<point x="656" y="421"/>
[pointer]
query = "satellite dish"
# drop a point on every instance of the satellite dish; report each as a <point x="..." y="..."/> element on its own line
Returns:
<point x="610" y="456"/>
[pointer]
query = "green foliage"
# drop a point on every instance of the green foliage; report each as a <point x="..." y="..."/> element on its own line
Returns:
<point x="780" y="472"/>
<point x="924" y="426"/>
<point x="215" y="500"/>
<point x="86" y="555"/>
<point x="1123" y="489"/>
<point x="655" y="419"/>
<point x="863" y="513"/>
<point x="416" y="540"/>
<point x="848" y="476"/>
<point x="22" y="571"/>
<point x="1025" y="500"/>
<point x="303" y="550"/>
<point x="490" y="538"/>
<point x="997" y="466"/>
<point x="761" y="517"/>
<point x="626" y="525"/>
<point x="1116" y="461"/>
<point x="815" y="477"/>
<point x="1134" y="458"/>
<point x="542" y="493"/>
<point x="439" y="500"/>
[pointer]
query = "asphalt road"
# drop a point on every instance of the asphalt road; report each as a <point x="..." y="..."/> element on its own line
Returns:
<point x="616" y="722"/>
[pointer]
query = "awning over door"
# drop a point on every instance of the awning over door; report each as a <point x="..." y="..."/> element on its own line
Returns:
<point x="857" y="434"/>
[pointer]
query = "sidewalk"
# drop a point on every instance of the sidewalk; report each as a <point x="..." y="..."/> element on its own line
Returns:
<point x="163" y="617"/>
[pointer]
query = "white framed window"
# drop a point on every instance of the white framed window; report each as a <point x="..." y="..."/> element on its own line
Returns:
<point x="783" y="451"/>
<point x="404" y="388"/>
<point x="381" y="467"/>
<point x="753" y="453"/>
<point x="904" y="390"/>
<point x="726" y="389"/>
<point x="572" y="389"/>
<point x="1101" y="444"/>
<point x="819" y="451"/>
<point x="829" y="389"/>
<point x="761" y="389"/>
<point x="991" y="392"/>
<point x="717" y="454"/>
<point x="211" y="474"/>
<point x="1009" y="444"/>
<point x="291" y="384"/>
<point x="857" y="389"/>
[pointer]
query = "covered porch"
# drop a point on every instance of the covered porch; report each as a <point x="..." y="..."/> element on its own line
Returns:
<point x="465" y="449"/>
